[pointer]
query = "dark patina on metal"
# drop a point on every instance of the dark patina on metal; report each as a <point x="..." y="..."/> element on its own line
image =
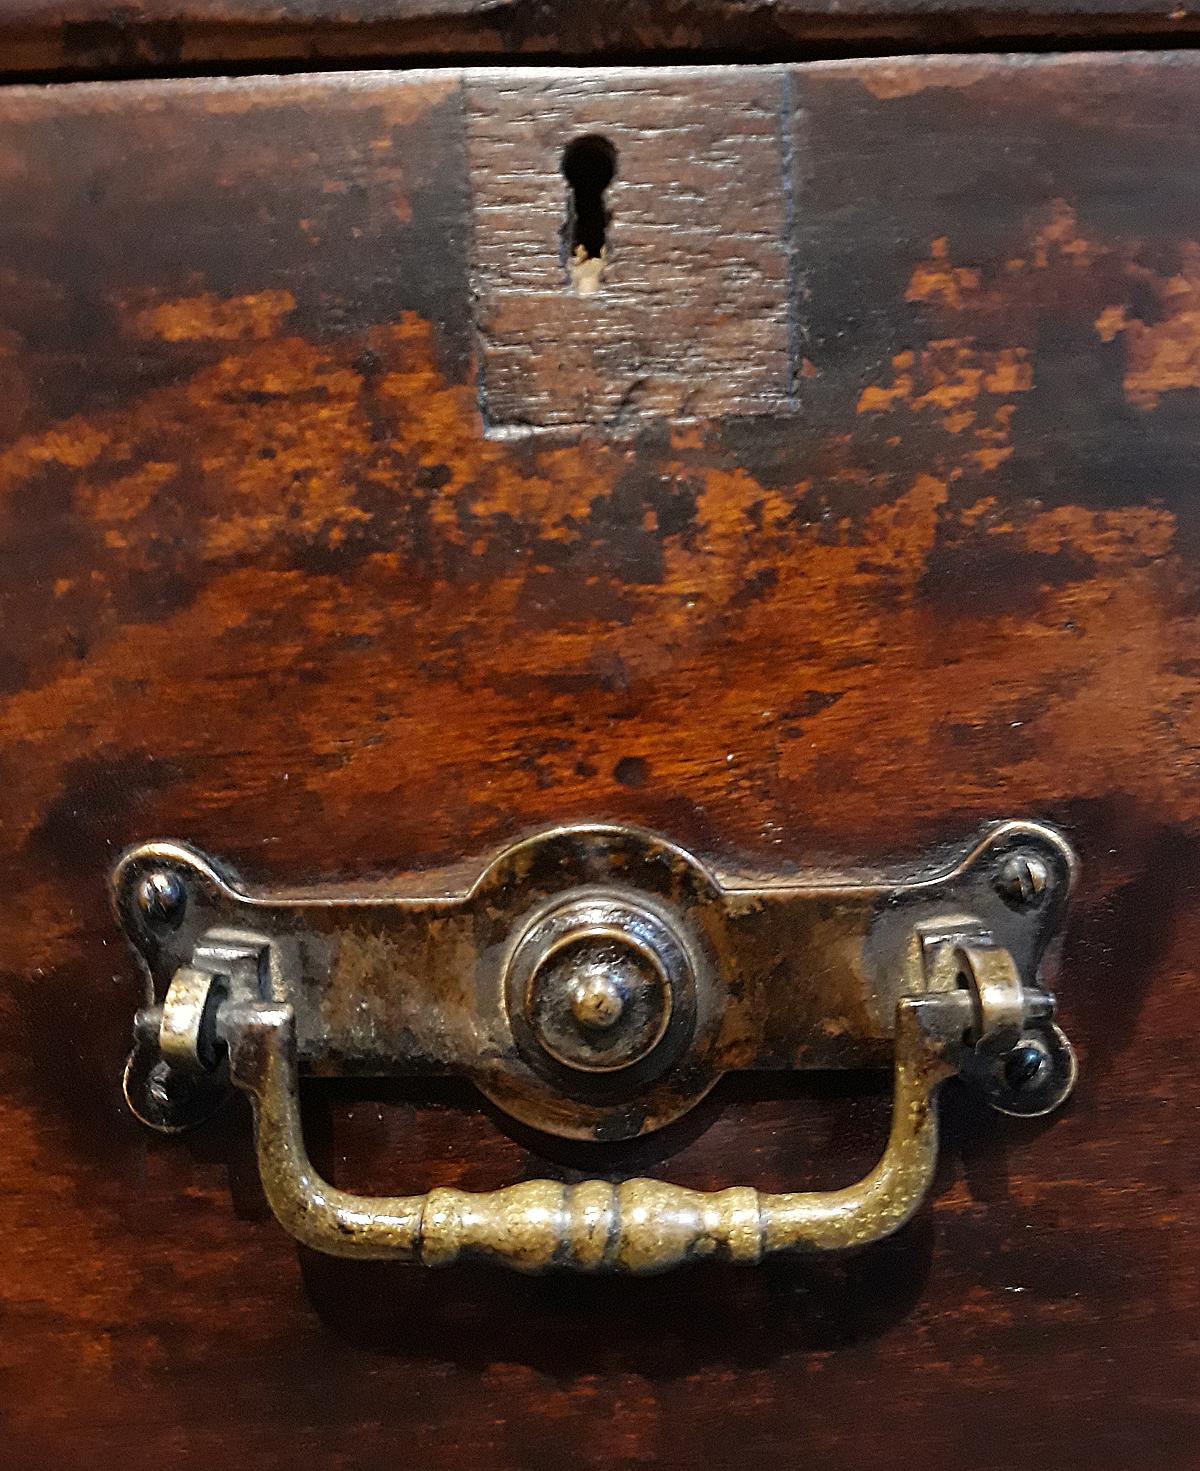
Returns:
<point x="595" y="982"/>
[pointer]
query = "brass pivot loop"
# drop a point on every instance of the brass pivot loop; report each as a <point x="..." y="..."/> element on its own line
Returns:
<point x="1014" y="1053"/>
<point x="176" y="1076"/>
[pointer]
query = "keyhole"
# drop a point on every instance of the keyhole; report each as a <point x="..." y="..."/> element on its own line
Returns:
<point x="589" y="165"/>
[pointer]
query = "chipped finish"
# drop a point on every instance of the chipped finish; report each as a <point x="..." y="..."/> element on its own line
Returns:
<point x="280" y="596"/>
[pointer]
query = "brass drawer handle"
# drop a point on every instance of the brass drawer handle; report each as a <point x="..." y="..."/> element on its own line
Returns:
<point x="636" y="1226"/>
<point x="961" y="983"/>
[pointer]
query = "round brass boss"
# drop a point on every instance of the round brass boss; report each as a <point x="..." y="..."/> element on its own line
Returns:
<point x="595" y="982"/>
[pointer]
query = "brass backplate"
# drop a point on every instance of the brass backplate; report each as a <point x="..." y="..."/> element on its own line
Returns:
<point x="595" y="981"/>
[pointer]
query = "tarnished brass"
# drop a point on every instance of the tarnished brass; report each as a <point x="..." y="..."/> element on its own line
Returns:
<point x="637" y="1226"/>
<point x="598" y="981"/>
<point x="595" y="982"/>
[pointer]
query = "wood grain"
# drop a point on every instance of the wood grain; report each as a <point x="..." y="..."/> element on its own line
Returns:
<point x="267" y="585"/>
<point x="692" y="318"/>
<point x="154" y="37"/>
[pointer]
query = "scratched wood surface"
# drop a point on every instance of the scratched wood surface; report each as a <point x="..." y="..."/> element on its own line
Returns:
<point x="96" y="37"/>
<point x="694" y="312"/>
<point x="270" y="584"/>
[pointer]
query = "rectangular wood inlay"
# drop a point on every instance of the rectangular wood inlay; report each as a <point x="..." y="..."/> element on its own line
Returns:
<point x="691" y="317"/>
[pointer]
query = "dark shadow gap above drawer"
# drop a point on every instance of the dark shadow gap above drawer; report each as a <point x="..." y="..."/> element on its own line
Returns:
<point x="48" y="40"/>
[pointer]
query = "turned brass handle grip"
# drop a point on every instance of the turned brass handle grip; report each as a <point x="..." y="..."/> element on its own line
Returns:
<point x="638" y="1226"/>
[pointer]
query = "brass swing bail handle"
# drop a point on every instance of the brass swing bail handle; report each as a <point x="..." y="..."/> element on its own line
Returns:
<point x="644" y="1226"/>
<point x="595" y="982"/>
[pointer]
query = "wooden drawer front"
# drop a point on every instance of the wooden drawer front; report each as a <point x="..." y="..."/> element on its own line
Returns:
<point x="341" y="537"/>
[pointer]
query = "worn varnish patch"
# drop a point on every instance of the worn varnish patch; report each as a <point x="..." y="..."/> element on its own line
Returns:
<point x="692" y="315"/>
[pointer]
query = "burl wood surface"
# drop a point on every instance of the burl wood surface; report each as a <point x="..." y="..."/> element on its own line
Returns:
<point x="270" y="585"/>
